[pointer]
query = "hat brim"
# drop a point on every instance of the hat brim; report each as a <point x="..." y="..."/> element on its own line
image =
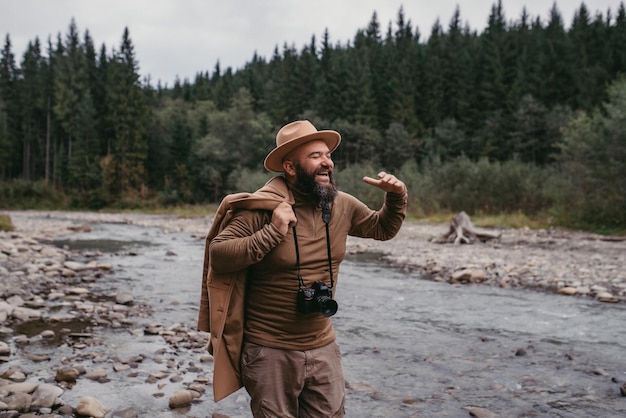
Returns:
<point x="274" y="160"/>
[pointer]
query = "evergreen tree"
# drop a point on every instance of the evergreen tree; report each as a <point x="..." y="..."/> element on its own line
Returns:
<point x="557" y="84"/>
<point x="9" y="113"/>
<point x="32" y="99"/>
<point x="617" y="39"/>
<point x="434" y="84"/>
<point x="328" y="103"/>
<point x="403" y="83"/>
<point x="589" y="59"/>
<point x="359" y="94"/>
<point x="456" y="71"/>
<point x="377" y="65"/>
<point x="70" y="85"/>
<point x="124" y="173"/>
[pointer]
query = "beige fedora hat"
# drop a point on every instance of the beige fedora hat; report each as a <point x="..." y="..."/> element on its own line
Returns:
<point x="294" y="134"/>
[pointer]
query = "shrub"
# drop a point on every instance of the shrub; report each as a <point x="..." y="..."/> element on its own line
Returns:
<point x="5" y="223"/>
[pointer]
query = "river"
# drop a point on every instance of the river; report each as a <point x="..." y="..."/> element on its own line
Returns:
<point x="411" y="347"/>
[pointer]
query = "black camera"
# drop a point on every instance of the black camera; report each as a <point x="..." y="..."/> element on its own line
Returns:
<point x="317" y="298"/>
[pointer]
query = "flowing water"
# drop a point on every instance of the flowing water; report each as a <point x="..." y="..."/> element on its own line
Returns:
<point x="411" y="347"/>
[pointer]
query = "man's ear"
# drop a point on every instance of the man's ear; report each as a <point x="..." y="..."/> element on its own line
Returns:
<point x="289" y="167"/>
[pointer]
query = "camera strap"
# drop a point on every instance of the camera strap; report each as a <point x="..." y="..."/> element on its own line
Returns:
<point x="326" y="218"/>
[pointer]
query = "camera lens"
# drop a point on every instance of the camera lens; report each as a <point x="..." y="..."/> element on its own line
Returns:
<point x="328" y="306"/>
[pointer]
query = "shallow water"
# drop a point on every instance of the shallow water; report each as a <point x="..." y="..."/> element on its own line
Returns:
<point x="411" y="347"/>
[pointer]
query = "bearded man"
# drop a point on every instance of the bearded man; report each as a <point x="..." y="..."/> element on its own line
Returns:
<point x="271" y="266"/>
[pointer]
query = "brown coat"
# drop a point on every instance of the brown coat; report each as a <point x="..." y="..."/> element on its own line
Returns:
<point x="223" y="294"/>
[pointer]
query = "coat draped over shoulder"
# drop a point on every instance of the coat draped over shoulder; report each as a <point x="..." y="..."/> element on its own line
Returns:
<point x="223" y="295"/>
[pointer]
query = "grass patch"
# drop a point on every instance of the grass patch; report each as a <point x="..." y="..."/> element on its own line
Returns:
<point x="5" y="223"/>
<point x="182" y="211"/>
<point x="498" y="220"/>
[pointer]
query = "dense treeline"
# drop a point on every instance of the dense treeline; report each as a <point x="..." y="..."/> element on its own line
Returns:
<point x="524" y="116"/>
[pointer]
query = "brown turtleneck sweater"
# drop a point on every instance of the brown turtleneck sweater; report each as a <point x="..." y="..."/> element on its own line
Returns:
<point x="251" y="241"/>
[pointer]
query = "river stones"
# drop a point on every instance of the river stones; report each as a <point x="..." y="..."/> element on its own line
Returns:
<point x="91" y="407"/>
<point x="180" y="399"/>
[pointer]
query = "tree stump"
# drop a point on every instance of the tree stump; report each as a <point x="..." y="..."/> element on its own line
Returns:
<point x="462" y="231"/>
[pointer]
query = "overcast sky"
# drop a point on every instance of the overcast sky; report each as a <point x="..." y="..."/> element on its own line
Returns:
<point x="183" y="37"/>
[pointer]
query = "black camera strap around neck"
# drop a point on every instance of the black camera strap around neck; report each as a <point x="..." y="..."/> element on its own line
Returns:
<point x="326" y="218"/>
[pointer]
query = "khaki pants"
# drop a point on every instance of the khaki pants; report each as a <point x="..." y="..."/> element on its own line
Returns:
<point x="294" y="384"/>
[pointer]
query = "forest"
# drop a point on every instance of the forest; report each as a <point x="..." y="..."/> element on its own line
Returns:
<point x="524" y="116"/>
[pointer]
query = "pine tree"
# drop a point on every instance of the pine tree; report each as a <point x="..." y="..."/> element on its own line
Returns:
<point x="10" y="150"/>
<point x="124" y="168"/>
<point x="70" y="85"/>
<point x="617" y="40"/>
<point x="32" y="101"/>
<point x="403" y="83"/>
<point x="557" y="84"/>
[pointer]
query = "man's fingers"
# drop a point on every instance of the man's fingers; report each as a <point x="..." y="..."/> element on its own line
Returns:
<point x="386" y="182"/>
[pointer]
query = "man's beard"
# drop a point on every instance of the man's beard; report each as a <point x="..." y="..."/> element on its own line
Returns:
<point x="313" y="191"/>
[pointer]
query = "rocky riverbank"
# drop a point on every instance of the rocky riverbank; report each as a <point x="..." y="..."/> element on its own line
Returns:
<point x="40" y="282"/>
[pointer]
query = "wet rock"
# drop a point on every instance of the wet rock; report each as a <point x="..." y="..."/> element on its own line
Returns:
<point x="622" y="389"/>
<point x="22" y="387"/>
<point x="18" y="376"/>
<point x="125" y="413"/>
<point x="481" y="413"/>
<point x="5" y="350"/>
<point x="47" y="334"/>
<point x="124" y="298"/>
<point x="67" y="374"/>
<point x="569" y="291"/>
<point x="99" y="375"/>
<point x="66" y="410"/>
<point x="607" y="297"/>
<point x="180" y="399"/>
<point x="91" y="407"/>
<point x="25" y="314"/>
<point x="46" y="396"/>
<point x="18" y="401"/>
<point x="520" y="352"/>
<point x="468" y="276"/>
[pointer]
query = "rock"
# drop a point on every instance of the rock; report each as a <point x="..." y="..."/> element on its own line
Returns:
<point x="98" y="374"/>
<point x="91" y="407"/>
<point x="469" y="276"/>
<point x="72" y="265"/>
<point x="5" y="349"/>
<point x="180" y="399"/>
<point x="124" y="298"/>
<point x="47" y="334"/>
<point x="24" y="387"/>
<point x="481" y="413"/>
<point x="622" y="389"/>
<point x="67" y="374"/>
<point x="607" y="297"/>
<point x="25" y="314"/>
<point x="125" y="413"/>
<point x="46" y="396"/>
<point x="18" y="401"/>
<point x="569" y="291"/>
<point x="18" y="376"/>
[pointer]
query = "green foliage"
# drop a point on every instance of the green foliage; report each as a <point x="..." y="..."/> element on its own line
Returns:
<point x="5" y="223"/>
<point x="477" y="187"/>
<point x="593" y="156"/>
<point x="350" y="180"/>
<point x="248" y="180"/>
<point x="22" y="194"/>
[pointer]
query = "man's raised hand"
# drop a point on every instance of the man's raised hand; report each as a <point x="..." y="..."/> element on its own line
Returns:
<point x="387" y="183"/>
